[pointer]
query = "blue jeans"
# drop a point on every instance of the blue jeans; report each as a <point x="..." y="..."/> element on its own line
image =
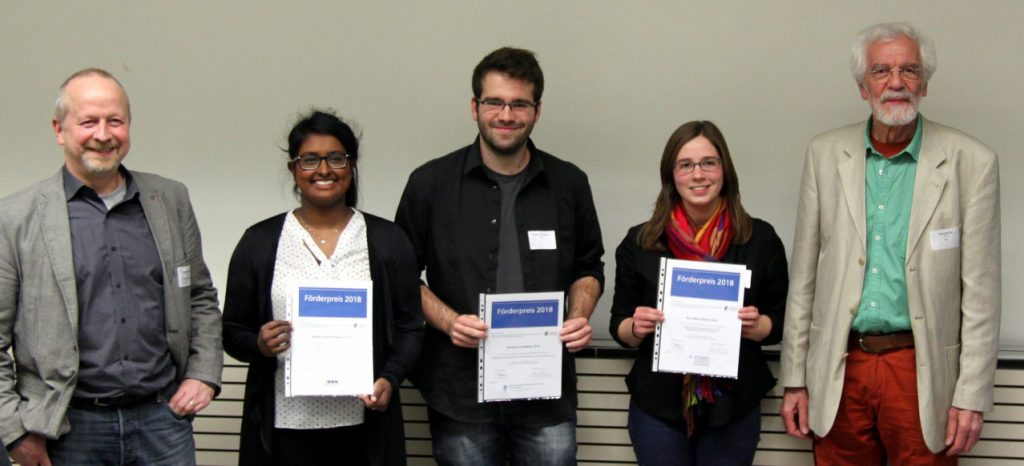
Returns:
<point x="458" y="443"/>
<point x="659" y="444"/>
<point x="142" y="434"/>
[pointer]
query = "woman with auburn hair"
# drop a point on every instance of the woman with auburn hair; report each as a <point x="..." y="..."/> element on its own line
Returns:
<point x="689" y="419"/>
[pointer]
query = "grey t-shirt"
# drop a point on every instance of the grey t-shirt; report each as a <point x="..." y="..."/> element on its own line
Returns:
<point x="510" y="265"/>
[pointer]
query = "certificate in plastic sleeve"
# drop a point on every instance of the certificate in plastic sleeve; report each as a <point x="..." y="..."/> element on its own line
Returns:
<point x="521" y="358"/>
<point x="332" y="338"/>
<point x="701" y="330"/>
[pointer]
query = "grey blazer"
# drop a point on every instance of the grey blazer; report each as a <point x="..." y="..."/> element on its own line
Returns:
<point x="953" y="290"/>
<point x="39" y="304"/>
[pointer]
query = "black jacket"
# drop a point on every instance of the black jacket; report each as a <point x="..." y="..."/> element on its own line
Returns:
<point x="398" y="332"/>
<point x="451" y="209"/>
<point x="636" y="284"/>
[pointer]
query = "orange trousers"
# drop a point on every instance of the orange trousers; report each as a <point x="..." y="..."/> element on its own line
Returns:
<point x="878" y="416"/>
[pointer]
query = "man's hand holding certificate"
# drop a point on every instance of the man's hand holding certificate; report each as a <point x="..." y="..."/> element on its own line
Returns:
<point x="521" y="357"/>
<point x="331" y="339"/>
<point x="701" y="331"/>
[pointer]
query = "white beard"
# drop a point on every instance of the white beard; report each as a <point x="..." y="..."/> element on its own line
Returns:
<point x="895" y="115"/>
<point x="901" y="115"/>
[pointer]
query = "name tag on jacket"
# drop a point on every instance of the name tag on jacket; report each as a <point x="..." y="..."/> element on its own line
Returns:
<point x="948" y="238"/>
<point x="542" y="239"/>
<point x="184" y="276"/>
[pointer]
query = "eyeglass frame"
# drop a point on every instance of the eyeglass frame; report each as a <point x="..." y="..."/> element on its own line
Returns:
<point x="716" y="163"/>
<point x="491" y="105"/>
<point x="911" y="72"/>
<point x="321" y="159"/>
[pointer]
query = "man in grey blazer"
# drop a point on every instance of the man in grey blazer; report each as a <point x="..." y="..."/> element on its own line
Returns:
<point x="892" y="321"/>
<point x="106" y="305"/>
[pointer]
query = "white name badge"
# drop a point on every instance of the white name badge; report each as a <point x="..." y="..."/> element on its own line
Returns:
<point x="184" y="276"/>
<point x="945" y="239"/>
<point x="541" y="239"/>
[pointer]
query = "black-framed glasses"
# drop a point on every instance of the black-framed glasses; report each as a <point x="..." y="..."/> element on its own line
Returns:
<point x="497" y="105"/>
<point x="907" y="72"/>
<point x="708" y="165"/>
<point x="312" y="161"/>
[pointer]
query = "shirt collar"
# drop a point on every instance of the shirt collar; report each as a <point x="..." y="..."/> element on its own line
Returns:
<point x="72" y="185"/>
<point x="914" y="148"/>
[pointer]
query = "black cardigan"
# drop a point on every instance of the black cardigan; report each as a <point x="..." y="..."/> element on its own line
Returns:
<point x="398" y="332"/>
<point x="636" y="284"/>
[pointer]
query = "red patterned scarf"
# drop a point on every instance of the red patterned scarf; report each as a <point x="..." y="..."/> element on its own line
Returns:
<point x="709" y="243"/>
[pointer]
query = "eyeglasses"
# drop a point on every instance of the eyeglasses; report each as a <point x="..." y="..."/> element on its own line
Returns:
<point x="685" y="167"/>
<point x="497" y="105"/>
<point x="907" y="72"/>
<point x="312" y="161"/>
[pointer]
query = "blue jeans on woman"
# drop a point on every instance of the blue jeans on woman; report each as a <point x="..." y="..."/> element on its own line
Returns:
<point x="657" y="443"/>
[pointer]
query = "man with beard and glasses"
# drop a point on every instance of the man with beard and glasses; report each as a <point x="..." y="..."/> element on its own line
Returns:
<point x="500" y="216"/>
<point x="892" y="320"/>
<point x="109" y="328"/>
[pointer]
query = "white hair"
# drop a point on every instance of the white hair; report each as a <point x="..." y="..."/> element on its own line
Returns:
<point x="885" y="32"/>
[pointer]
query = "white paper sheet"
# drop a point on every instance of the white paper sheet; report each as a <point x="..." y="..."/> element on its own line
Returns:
<point x="331" y="350"/>
<point x="701" y="331"/>
<point x="521" y="358"/>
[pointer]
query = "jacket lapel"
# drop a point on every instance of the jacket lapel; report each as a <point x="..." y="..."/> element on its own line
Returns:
<point x="56" y="230"/>
<point x="156" y="216"/>
<point x="928" y="186"/>
<point x="155" y="208"/>
<point x="851" y="176"/>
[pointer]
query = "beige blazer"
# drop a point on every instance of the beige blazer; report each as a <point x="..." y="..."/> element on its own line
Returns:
<point x="953" y="293"/>
<point x="39" y="303"/>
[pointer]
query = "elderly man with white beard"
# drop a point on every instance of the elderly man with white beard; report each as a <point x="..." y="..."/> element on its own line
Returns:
<point x="892" y="320"/>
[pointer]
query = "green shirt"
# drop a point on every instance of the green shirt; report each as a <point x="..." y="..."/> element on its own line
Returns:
<point x="888" y="197"/>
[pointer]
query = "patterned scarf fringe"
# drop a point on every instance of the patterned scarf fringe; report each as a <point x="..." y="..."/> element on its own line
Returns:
<point x="708" y="244"/>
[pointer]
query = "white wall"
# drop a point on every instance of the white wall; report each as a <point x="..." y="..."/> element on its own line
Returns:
<point x="216" y="85"/>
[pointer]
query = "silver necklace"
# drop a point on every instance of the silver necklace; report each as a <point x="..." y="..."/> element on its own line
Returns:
<point x="312" y="233"/>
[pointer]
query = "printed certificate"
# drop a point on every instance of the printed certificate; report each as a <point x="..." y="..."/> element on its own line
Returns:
<point x="521" y="357"/>
<point x="332" y="338"/>
<point x="701" y="331"/>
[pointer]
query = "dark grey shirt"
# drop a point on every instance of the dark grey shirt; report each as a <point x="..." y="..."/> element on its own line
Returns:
<point x="510" y="267"/>
<point x="119" y="279"/>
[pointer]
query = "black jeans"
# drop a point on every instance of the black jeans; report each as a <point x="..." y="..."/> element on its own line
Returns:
<point x="339" y="445"/>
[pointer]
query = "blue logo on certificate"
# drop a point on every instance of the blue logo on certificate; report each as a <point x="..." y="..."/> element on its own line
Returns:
<point x="332" y="302"/>
<point x="511" y="314"/>
<point x="704" y="284"/>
